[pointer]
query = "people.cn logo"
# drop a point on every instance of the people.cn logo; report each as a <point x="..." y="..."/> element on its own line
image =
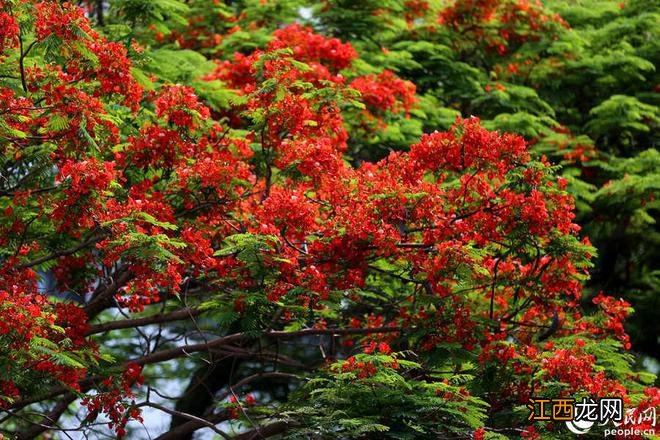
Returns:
<point x="581" y="417"/>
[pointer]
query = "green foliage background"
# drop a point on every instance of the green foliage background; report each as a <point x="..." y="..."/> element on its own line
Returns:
<point x="584" y="95"/>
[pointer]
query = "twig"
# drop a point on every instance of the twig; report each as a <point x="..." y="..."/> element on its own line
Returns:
<point x="184" y="415"/>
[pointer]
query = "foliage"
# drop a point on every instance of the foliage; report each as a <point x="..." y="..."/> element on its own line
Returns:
<point x="286" y="210"/>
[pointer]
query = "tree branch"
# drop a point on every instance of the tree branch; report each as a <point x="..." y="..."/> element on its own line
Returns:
<point x="148" y="320"/>
<point x="199" y="420"/>
<point x="47" y="421"/>
<point x="191" y="426"/>
<point x="91" y="240"/>
<point x="103" y="295"/>
<point x="172" y="353"/>
<point x="185" y="350"/>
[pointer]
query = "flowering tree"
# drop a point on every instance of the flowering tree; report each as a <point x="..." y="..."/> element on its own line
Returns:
<point x="576" y="79"/>
<point x="207" y="198"/>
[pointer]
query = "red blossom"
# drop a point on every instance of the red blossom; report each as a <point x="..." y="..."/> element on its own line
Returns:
<point x="386" y="92"/>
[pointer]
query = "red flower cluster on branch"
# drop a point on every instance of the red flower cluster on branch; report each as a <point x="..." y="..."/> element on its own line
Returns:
<point x="500" y="23"/>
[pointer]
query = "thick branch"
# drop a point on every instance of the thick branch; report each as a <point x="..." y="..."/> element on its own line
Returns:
<point x="90" y="241"/>
<point x="148" y="320"/>
<point x="47" y="421"/>
<point x="331" y="331"/>
<point x="203" y="422"/>
<point x="181" y="431"/>
<point x="172" y="353"/>
<point x="103" y="296"/>
<point x="185" y="350"/>
<point x="185" y="430"/>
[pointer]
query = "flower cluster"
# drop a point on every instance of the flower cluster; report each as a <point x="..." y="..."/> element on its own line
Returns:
<point x="311" y="47"/>
<point x="37" y="334"/>
<point x="84" y="182"/>
<point x="8" y="32"/>
<point x="385" y="92"/>
<point x="113" y="400"/>
<point x="500" y="23"/>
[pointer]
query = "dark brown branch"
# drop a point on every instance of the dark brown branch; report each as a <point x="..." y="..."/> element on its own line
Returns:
<point x="47" y="421"/>
<point x="172" y="353"/>
<point x="204" y="422"/>
<point x="393" y="275"/>
<point x="21" y="65"/>
<point x="148" y="320"/>
<point x="99" y="13"/>
<point x="90" y="241"/>
<point x="263" y="356"/>
<point x="491" y="312"/>
<point x="331" y="331"/>
<point x="415" y="246"/>
<point x="13" y="191"/>
<point x="103" y="296"/>
<point x="185" y="350"/>
<point x="181" y="431"/>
